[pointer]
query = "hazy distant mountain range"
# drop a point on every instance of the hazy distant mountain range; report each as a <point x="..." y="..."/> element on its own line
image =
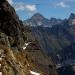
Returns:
<point x="55" y="36"/>
<point x="39" y="20"/>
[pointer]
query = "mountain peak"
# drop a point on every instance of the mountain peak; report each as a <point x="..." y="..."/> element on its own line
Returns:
<point x="72" y="16"/>
<point x="38" y="15"/>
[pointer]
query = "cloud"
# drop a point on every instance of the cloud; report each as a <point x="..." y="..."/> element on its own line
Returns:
<point x="31" y="8"/>
<point x="20" y="6"/>
<point x="25" y="7"/>
<point x="10" y="1"/>
<point x="62" y="4"/>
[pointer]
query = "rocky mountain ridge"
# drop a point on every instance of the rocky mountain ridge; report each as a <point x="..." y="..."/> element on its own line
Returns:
<point x="19" y="57"/>
<point x="39" y="20"/>
<point x="57" y="39"/>
<point x="54" y="37"/>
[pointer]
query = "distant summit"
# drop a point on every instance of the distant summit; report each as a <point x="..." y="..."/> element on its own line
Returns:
<point x="72" y="16"/>
<point x="38" y="15"/>
<point x="39" y="20"/>
<point x="72" y="19"/>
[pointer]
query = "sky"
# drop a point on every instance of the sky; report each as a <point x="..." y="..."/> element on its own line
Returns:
<point x="48" y="8"/>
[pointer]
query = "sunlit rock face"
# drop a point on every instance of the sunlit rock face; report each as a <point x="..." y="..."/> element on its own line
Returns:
<point x="20" y="51"/>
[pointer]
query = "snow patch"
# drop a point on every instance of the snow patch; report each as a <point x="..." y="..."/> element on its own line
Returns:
<point x="34" y="73"/>
<point x="0" y="73"/>
<point x="24" y="48"/>
<point x="0" y="65"/>
<point x="25" y="45"/>
<point x="0" y="59"/>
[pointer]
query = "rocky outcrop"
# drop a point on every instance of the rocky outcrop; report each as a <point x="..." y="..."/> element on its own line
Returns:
<point x="19" y="57"/>
<point x="9" y="23"/>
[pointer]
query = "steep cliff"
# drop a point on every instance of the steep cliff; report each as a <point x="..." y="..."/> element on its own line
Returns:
<point x="20" y="52"/>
